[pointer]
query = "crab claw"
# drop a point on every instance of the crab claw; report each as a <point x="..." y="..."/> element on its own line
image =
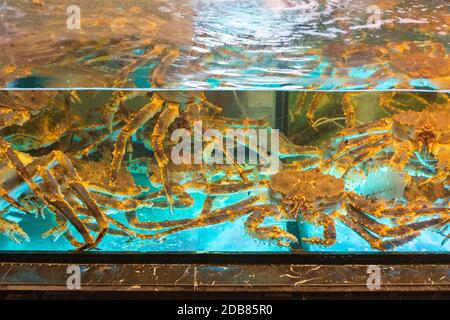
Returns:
<point x="16" y="233"/>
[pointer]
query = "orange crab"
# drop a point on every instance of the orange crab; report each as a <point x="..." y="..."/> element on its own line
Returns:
<point x="406" y="133"/>
<point x="308" y="196"/>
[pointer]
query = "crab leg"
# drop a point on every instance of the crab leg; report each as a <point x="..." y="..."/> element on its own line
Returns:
<point x="329" y="229"/>
<point x="214" y="217"/>
<point x="219" y="121"/>
<point x="166" y="118"/>
<point x="402" y="153"/>
<point x="160" y="72"/>
<point x="443" y="166"/>
<point x="5" y="195"/>
<point x="349" y="109"/>
<point x="112" y="106"/>
<point x="13" y="231"/>
<point x="207" y="218"/>
<point x="70" y="174"/>
<point x="56" y="199"/>
<point x="375" y="242"/>
<point x="9" y="117"/>
<point x="257" y="217"/>
<point x="315" y="102"/>
<point x="370" y="151"/>
<point x="353" y="146"/>
<point x="59" y="230"/>
<point x="385" y="101"/>
<point x="127" y="204"/>
<point x="207" y="205"/>
<point x="146" y="113"/>
<point x="73" y="241"/>
<point x="13" y="158"/>
<point x="379" y="210"/>
<point x="298" y="108"/>
<point x="371" y="128"/>
<point x="385" y="231"/>
<point x="75" y="182"/>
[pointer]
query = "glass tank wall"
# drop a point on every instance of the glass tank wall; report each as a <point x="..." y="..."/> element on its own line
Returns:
<point x="224" y="125"/>
<point x="225" y="171"/>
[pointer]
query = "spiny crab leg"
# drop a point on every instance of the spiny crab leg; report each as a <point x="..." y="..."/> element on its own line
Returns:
<point x="56" y="199"/>
<point x="5" y="195"/>
<point x="362" y="223"/>
<point x="73" y="179"/>
<point x="370" y="151"/>
<point x="377" y="127"/>
<point x="313" y="107"/>
<point x="160" y="72"/>
<point x="112" y="106"/>
<point x="385" y="231"/>
<point x="76" y="183"/>
<point x="257" y="217"/>
<point x="402" y="153"/>
<point x="379" y="210"/>
<point x="353" y="146"/>
<point x="349" y="109"/>
<point x="205" y="219"/>
<point x="166" y="118"/>
<point x="329" y="228"/>
<point x="143" y="116"/>
<point x="13" y="231"/>
<point x="443" y="166"/>
<point x="185" y="200"/>
<point x="218" y="216"/>
<point x="375" y="242"/>
<point x="61" y="228"/>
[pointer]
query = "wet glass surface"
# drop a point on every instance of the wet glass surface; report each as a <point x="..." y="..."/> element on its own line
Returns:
<point x="217" y="44"/>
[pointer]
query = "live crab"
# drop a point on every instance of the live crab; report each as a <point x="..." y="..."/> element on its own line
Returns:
<point x="314" y="197"/>
<point x="403" y="135"/>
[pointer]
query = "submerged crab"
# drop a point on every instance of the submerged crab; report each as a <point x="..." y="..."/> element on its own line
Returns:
<point x="404" y="134"/>
<point x="346" y="103"/>
<point x="165" y="108"/>
<point x="68" y="188"/>
<point x="310" y="196"/>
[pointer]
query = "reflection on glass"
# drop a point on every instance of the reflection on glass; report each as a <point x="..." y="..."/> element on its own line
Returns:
<point x="206" y="44"/>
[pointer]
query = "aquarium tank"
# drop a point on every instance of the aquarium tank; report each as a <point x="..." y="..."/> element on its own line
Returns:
<point x="212" y="126"/>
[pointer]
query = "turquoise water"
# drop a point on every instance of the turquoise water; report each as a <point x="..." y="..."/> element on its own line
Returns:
<point x="229" y="236"/>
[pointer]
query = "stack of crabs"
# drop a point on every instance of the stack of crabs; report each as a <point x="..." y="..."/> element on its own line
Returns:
<point x="67" y="158"/>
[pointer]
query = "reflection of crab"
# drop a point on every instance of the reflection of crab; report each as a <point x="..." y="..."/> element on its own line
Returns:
<point x="408" y="132"/>
<point x="421" y="60"/>
<point x="16" y="108"/>
<point x="308" y="195"/>
<point x="403" y="60"/>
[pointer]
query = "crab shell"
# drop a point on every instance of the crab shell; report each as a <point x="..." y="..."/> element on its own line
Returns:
<point x="423" y="127"/>
<point x="312" y="189"/>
